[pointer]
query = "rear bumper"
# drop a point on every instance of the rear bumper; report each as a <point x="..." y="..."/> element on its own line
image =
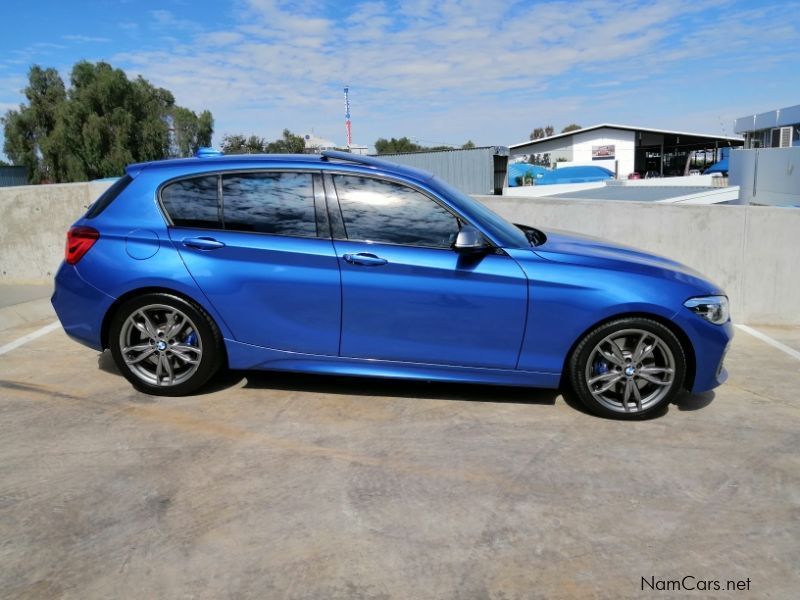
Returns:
<point x="80" y="307"/>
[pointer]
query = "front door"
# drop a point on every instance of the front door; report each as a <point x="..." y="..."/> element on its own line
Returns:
<point x="407" y="295"/>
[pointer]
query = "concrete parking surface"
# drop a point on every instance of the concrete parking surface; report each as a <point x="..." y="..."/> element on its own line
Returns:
<point x="281" y="486"/>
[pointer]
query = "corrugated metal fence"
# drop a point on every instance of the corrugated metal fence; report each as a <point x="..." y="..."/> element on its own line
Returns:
<point x="766" y="176"/>
<point x="13" y="176"/>
<point x="473" y="171"/>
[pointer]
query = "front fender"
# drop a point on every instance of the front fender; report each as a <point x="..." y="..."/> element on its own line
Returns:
<point x="566" y="300"/>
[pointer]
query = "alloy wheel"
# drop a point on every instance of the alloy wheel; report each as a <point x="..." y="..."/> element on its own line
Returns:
<point x="160" y="345"/>
<point x="630" y="370"/>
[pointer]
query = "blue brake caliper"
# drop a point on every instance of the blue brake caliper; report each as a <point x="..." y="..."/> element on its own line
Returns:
<point x="191" y="339"/>
<point x="600" y="367"/>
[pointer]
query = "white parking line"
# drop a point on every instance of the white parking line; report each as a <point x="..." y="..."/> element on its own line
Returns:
<point x="31" y="336"/>
<point x="768" y="340"/>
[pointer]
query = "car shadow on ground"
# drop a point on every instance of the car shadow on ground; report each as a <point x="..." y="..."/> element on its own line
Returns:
<point x="401" y="388"/>
<point x="361" y="386"/>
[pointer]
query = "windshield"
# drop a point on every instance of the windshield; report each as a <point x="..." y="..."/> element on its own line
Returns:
<point x="504" y="232"/>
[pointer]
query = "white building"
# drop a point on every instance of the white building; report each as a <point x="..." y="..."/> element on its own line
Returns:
<point x="316" y="144"/>
<point x="623" y="149"/>
<point x="774" y="129"/>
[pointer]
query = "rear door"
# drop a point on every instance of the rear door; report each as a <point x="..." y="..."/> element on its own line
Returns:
<point x="258" y="245"/>
<point x="406" y="294"/>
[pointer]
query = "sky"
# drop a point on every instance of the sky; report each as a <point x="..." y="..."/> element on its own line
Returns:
<point x="439" y="72"/>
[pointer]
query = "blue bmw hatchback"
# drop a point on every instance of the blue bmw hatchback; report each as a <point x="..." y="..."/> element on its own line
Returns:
<point x="351" y="265"/>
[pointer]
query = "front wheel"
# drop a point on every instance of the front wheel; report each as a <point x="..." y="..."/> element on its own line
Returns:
<point x="165" y="345"/>
<point x="628" y="368"/>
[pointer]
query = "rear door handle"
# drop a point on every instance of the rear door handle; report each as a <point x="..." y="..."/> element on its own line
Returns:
<point x="202" y="243"/>
<point x="365" y="258"/>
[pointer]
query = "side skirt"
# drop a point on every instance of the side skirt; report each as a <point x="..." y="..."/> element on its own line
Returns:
<point x="246" y="356"/>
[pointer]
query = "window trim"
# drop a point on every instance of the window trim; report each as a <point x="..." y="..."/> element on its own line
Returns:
<point x="320" y="227"/>
<point x="337" y="210"/>
<point x="108" y="197"/>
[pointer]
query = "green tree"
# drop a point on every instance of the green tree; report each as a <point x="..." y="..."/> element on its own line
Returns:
<point x="396" y="146"/>
<point x="29" y="129"/>
<point x="238" y="144"/>
<point x="542" y="132"/>
<point x="110" y="121"/>
<point x="102" y="123"/>
<point x="469" y="145"/>
<point x="571" y="127"/>
<point x="543" y="160"/>
<point x="190" y="131"/>
<point x="288" y="144"/>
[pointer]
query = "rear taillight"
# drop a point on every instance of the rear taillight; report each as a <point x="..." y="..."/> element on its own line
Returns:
<point x="79" y="240"/>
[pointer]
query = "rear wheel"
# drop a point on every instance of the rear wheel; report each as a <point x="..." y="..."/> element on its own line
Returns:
<point x="165" y="345"/>
<point x="628" y="368"/>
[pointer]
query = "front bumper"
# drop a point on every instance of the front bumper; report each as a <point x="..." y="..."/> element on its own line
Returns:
<point x="710" y="343"/>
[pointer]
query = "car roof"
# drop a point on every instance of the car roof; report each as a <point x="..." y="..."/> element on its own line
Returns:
<point x="326" y="160"/>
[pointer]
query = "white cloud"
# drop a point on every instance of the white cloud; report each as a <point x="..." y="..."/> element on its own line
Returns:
<point x="162" y="17"/>
<point x="448" y="70"/>
<point x="85" y="38"/>
<point x="220" y="38"/>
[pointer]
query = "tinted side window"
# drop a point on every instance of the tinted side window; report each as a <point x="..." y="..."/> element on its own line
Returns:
<point x="107" y="197"/>
<point x="193" y="202"/>
<point x="382" y="211"/>
<point x="276" y="203"/>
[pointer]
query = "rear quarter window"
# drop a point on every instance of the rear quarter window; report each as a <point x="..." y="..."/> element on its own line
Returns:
<point x="193" y="202"/>
<point x="107" y="197"/>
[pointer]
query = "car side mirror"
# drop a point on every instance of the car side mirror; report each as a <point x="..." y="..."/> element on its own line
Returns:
<point x="470" y="239"/>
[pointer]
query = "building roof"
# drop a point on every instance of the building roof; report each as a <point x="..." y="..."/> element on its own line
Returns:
<point x="774" y="118"/>
<point x="499" y="150"/>
<point x="708" y="136"/>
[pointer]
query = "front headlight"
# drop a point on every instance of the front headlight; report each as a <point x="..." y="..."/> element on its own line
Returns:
<point x="711" y="308"/>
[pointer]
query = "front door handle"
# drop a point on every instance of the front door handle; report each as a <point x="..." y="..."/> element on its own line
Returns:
<point x="365" y="258"/>
<point x="202" y="243"/>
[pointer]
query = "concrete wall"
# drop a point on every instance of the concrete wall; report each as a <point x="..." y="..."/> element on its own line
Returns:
<point x="535" y="191"/>
<point x="701" y="180"/>
<point x="35" y="219"/>
<point x="751" y="251"/>
<point x="766" y="176"/>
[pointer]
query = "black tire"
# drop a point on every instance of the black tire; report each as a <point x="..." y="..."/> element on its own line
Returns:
<point x="207" y="339"/>
<point x="665" y="356"/>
